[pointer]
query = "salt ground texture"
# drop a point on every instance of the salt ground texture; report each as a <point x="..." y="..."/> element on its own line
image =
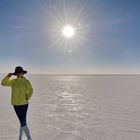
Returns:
<point x="76" y="107"/>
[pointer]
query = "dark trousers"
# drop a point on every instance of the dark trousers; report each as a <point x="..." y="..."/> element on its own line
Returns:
<point x="21" y="112"/>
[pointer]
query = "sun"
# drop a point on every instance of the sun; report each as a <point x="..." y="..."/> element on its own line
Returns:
<point x="68" y="28"/>
<point x="68" y="31"/>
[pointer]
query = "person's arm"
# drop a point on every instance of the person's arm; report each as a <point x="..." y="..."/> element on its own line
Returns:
<point x="29" y="90"/>
<point x="6" y="81"/>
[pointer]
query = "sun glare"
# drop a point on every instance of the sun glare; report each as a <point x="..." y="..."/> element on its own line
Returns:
<point x="69" y="28"/>
<point x="68" y="31"/>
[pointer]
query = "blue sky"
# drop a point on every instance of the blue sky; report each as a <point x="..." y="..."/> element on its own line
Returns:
<point x="107" y="38"/>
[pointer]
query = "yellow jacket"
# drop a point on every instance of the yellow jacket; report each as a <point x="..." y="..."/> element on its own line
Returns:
<point x="21" y="89"/>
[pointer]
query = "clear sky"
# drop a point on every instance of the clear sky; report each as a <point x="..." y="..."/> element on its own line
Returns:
<point x="106" y="40"/>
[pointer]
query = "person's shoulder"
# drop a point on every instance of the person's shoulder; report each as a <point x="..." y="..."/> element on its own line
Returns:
<point x="26" y="79"/>
<point x="14" y="79"/>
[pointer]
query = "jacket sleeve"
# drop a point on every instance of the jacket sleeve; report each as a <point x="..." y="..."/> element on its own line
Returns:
<point x="6" y="82"/>
<point x="29" y="90"/>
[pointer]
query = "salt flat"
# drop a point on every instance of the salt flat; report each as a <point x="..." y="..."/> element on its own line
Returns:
<point x="77" y="107"/>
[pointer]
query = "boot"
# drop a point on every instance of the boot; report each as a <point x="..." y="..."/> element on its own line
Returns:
<point x="27" y="132"/>
<point x="20" y="133"/>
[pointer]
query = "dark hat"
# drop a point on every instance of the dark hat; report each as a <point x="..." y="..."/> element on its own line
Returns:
<point x="19" y="70"/>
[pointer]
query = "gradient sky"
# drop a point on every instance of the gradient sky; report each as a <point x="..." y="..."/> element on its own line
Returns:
<point x="107" y="36"/>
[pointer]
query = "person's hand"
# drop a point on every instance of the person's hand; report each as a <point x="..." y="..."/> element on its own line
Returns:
<point x="10" y="74"/>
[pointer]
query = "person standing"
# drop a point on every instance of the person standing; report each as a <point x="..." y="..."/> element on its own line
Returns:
<point x="21" y="93"/>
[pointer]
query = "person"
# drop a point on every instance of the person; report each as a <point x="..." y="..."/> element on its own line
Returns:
<point x="21" y="93"/>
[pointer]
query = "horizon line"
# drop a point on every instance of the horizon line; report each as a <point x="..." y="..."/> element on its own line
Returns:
<point x="80" y="73"/>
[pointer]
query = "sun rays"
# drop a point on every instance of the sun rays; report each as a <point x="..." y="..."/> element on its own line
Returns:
<point x="67" y="28"/>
